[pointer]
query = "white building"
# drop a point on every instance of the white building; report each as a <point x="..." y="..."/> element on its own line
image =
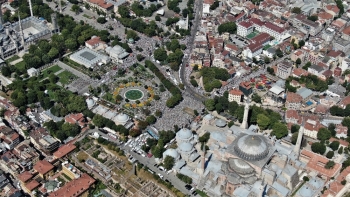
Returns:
<point x="252" y="50"/>
<point x="89" y="58"/>
<point x="32" y="72"/>
<point x="244" y="28"/>
<point x="235" y="95"/>
<point x="284" y="69"/>
<point x="116" y="53"/>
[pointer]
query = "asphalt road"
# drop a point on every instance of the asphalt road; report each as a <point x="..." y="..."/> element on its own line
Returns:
<point x="188" y="87"/>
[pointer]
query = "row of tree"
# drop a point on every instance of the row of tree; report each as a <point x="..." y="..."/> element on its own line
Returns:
<point x="175" y="91"/>
<point x="212" y="77"/>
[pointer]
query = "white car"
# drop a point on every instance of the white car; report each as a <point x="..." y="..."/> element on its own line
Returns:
<point x="161" y="176"/>
<point x="161" y="168"/>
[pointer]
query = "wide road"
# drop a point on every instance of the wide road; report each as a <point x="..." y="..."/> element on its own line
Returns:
<point x="198" y="16"/>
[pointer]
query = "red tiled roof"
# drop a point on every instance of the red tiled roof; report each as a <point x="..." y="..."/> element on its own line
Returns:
<point x="25" y="176"/>
<point x="291" y="113"/>
<point x="32" y="185"/>
<point x="322" y="109"/>
<point x="210" y="2"/>
<point x="254" y="47"/>
<point x="346" y="30"/>
<point x="274" y="27"/>
<point x="336" y="186"/>
<point x="94" y="41"/>
<point x="235" y="92"/>
<point x="333" y="8"/>
<point x="345" y="101"/>
<point x="317" y="162"/>
<point x="300" y="72"/>
<point x="74" y="187"/>
<point x="256" y="21"/>
<point x="293" y="97"/>
<point x="101" y="3"/>
<point x="245" y="24"/>
<point x="43" y="167"/>
<point x="245" y="84"/>
<point x="261" y="38"/>
<point x="64" y="150"/>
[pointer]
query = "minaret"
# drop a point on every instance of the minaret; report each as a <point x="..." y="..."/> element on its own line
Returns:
<point x="1" y="20"/>
<point x="187" y="24"/>
<point x="30" y="8"/>
<point x="244" y="124"/>
<point x="21" y="30"/>
<point x="60" y="5"/>
<point x="203" y="160"/>
<point x="297" y="146"/>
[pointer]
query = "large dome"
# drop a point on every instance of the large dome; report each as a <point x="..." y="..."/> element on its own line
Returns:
<point x="122" y="117"/>
<point x="185" y="146"/>
<point x="184" y="134"/>
<point x="171" y="152"/>
<point x="240" y="166"/>
<point x="251" y="147"/>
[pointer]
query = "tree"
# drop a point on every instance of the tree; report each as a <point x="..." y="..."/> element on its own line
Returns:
<point x="334" y="145"/>
<point x="142" y="125"/>
<point x="323" y="134"/>
<point x="340" y="6"/>
<point x="296" y="10"/>
<point x="157" y="18"/>
<point x="151" y="119"/>
<point x="305" y="178"/>
<point x="214" y="5"/>
<point x="279" y="53"/>
<point x="204" y="138"/>
<point x="53" y="53"/>
<point x="295" y="128"/>
<point x="229" y="27"/>
<point x="266" y="60"/>
<point x="123" y="11"/>
<point x="340" y="150"/>
<point x="298" y="61"/>
<point x="263" y="121"/>
<point x="131" y="34"/>
<point x="139" y="57"/>
<point x="71" y="44"/>
<point x="279" y="130"/>
<point x="301" y="43"/>
<point x="160" y="54"/>
<point x="329" y="165"/>
<point x="53" y="78"/>
<point x="318" y="147"/>
<point x="168" y="162"/>
<point x="256" y="98"/>
<point x="6" y="71"/>
<point x="330" y="154"/>
<point x="101" y="20"/>
<point x="75" y="8"/>
<point x="210" y="104"/>
<point x="295" y="138"/>
<point x="312" y="18"/>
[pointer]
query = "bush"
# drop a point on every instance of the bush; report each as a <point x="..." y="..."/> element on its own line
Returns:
<point x="184" y="178"/>
<point x="330" y="154"/>
<point x="305" y="178"/>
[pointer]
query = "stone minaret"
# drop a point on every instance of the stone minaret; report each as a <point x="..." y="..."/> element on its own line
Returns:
<point x="21" y="30"/>
<point x="244" y="124"/>
<point x="30" y="7"/>
<point x="60" y="5"/>
<point x="1" y="20"/>
<point x="297" y="146"/>
<point x="201" y="170"/>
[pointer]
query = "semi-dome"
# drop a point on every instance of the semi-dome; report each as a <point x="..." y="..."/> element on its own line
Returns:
<point x="171" y="152"/>
<point x="240" y="166"/>
<point x="251" y="147"/>
<point x="122" y="117"/>
<point x="185" y="146"/>
<point x="184" y="133"/>
<point x="90" y="102"/>
<point x="220" y="123"/>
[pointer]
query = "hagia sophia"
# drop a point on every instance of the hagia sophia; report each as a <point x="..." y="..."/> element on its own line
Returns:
<point x="241" y="161"/>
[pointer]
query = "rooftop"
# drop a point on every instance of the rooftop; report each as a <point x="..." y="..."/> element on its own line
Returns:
<point x="43" y="167"/>
<point x="74" y="187"/>
<point x="64" y="150"/>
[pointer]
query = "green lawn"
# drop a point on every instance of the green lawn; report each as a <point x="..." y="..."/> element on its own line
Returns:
<point x="109" y="97"/>
<point x="252" y="35"/>
<point x="266" y="47"/>
<point x="52" y="69"/>
<point x="201" y="193"/>
<point x="13" y="58"/>
<point x="66" y="77"/>
<point x="21" y="66"/>
<point x="86" y="16"/>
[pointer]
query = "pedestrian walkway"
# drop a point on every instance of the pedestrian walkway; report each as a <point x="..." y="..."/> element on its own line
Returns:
<point x="16" y="61"/>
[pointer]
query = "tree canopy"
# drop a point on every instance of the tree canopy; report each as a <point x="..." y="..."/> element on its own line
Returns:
<point x="229" y="27"/>
<point x="318" y="147"/>
<point x="279" y="130"/>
